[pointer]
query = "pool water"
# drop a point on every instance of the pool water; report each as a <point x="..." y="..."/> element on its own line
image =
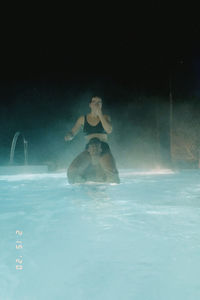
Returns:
<point x="139" y="240"/>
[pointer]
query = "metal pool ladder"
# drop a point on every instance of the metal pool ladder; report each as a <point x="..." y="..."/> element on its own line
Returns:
<point x="12" y="150"/>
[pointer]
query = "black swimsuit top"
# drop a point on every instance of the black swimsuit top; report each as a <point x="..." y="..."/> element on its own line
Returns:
<point x="89" y="129"/>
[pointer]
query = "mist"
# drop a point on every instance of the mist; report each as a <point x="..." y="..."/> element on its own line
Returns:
<point x="45" y="112"/>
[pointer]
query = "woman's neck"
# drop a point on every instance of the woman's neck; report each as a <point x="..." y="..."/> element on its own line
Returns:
<point x="93" y="114"/>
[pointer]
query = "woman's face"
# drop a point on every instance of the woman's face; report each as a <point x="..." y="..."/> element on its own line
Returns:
<point x="95" y="102"/>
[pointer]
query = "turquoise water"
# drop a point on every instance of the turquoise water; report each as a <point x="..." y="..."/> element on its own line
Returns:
<point x="138" y="240"/>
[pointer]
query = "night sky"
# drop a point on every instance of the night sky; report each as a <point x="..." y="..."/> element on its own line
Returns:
<point x="49" y="72"/>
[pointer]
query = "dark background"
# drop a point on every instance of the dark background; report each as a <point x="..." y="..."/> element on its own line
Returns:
<point x="132" y="57"/>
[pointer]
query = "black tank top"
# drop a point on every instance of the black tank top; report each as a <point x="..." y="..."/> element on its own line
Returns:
<point x="89" y="129"/>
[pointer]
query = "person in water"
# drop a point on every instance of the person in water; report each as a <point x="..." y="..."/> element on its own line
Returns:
<point x="96" y="162"/>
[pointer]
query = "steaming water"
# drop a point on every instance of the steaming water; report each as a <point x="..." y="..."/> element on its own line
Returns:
<point x="138" y="240"/>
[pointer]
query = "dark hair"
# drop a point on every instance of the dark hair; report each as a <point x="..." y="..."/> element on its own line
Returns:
<point x="95" y="96"/>
<point x="94" y="141"/>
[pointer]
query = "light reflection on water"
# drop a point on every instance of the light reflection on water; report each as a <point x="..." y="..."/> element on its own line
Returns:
<point x="136" y="240"/>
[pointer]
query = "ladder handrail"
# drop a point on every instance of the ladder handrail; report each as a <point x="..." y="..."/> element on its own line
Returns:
<point x="13" y="145"/>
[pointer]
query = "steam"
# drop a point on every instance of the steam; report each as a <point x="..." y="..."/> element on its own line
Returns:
<point x="140" y="137"/>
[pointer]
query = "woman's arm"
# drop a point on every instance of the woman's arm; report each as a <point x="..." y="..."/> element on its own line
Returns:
<point x="106" y="122"/>
<point x="70" y="135"/>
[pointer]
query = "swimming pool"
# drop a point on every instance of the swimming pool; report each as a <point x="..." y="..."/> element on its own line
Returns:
<point x="138" y="240"/>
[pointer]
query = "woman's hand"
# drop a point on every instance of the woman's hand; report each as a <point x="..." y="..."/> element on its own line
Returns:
<point x="98" y="110"/>
<point x="69" y="137"/>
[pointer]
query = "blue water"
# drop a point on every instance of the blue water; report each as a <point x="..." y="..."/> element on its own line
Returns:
<point x="139" y="240"/>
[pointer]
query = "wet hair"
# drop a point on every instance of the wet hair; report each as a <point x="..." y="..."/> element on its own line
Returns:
<point x="94" y="141"/>
<point x="95" y="96"/>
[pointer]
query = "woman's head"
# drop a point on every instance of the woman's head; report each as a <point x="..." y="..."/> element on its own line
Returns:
<point x="95" y="101"/>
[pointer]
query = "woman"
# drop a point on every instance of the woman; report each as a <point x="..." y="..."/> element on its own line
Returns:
<point x="97" y="154"/>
